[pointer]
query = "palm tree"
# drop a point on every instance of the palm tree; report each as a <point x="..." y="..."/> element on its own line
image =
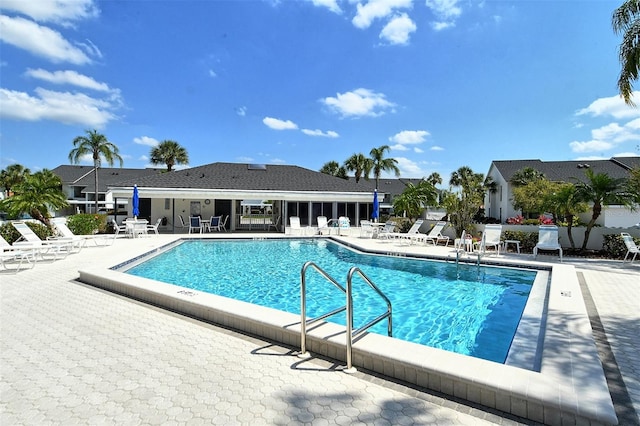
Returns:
<point x="380" y="164"/>
<point x="601" y="190"/>
<point x="35" y="195"/>
<point x="360" y="165"/>
<point x="333" y="168"/>
<point x="526" y="175"/>
<point x="565" y="204"/>
<point x="626" y="21"/>
<point x="96" y="145"/>
<point x="12" y="176"/>
<point x="434" y="179"/>
<point x="170" y="153"/>
<point x="415" y="198"/>
<point x="463" y="206"/>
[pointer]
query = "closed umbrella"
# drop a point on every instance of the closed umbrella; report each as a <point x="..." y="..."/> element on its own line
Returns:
<point x="135" y="202"/>
<point x="376" y="207"/>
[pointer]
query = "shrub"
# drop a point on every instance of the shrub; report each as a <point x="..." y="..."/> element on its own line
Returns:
<point x="614" y="247"/>
<point x="10" y="233"/>
<point x="528" y="240"/>
<point x="87" y="224"/>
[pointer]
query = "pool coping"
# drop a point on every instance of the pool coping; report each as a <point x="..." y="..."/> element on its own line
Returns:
<point x="569" y="387"/>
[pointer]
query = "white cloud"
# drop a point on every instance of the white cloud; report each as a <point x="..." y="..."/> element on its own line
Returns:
<point x="318" y="132"/>
<point x="398" y="29"/>
<point x="616" y="134"/>
<point x="146" y="140"/>
<point x="68" y="77"/>
<point x="613" y="106"/>
<point x="57" y="11"/>
<point x="409" y="168"/>
<point x="436" y="148"/>
<point x="358" y="103"/>
<point x="398" y="147"/>
<point x="590" y="146"/>
<point x="445" y="11"/>
<point x="277" y="124"/>
<point x="241" y="111"/>
<point x="277" y="161"/>
<point x="245" y="159"/>
<point x="377" y="9"/>
<point x="418" y="150"/>
<point x="332" y="5"/>
<point x="409" y="137"/>
<point x="64" y="107"/>
<point x="40" y="41"/>
<point x="625" y="154"/>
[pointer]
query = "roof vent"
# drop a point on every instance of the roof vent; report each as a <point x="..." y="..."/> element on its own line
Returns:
<point x="580" y="166"/>
<point x="257" y="167"/>
<point x="586" y="166"/>
<point x="201" y="176"/>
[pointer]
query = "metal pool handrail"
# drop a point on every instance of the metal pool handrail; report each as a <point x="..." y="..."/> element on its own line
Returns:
<point x="350" y="332"/>
<point x="348" y="307"/>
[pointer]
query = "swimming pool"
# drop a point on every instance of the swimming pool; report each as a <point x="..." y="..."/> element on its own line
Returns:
<point x="465" y="309"/>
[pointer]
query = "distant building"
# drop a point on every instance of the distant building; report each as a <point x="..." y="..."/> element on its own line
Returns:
<point x="499" y="204"/>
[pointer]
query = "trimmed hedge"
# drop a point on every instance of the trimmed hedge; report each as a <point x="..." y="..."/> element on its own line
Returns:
<point x="87" y="224"/>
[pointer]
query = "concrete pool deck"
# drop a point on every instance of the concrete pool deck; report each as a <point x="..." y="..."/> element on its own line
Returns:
<point x="72" y="353"/>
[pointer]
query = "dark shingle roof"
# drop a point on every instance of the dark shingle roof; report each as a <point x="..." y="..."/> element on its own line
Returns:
<point x="570" y="171"/>
<point x="107" y="176"/>
<point x="241" y="176"/>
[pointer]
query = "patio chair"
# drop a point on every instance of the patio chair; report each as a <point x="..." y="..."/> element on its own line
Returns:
<point x="154" y="227"/>
<point x="29" y="239"/>
<point x="631" y="246"/>
<point x="274" y="224"/>
<point x="223" y="225"/>
<point x="366" y="229"/>
<point x="547" y="240"/>
<point x="294" y="225"/>
<point x="413" y="231"/>
<point x="387" y="231"/>
<point x="344" y="225"/>
<point x="195" y="224"/>
<point x="491" y="238"/>
<point x="60" y="224"/>
<point x="182" y="223"/>
<point x="434" y="236"/>
<point x="10" y="254"/>
<point x="323" y="225"/>
<point x="214" y="224"/>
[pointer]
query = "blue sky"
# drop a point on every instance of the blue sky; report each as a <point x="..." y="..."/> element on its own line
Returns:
<point x="444" y="83"/>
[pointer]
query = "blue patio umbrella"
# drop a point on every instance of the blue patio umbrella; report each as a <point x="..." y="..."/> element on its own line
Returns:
<point x="135" y="202"/>
<point x="376" y="207"/>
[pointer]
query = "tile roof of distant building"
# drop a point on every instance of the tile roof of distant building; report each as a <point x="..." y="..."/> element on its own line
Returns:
<point x="569" y="171"/>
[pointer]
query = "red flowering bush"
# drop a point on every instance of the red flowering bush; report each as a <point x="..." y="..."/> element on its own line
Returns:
<point x="518" y="220"/>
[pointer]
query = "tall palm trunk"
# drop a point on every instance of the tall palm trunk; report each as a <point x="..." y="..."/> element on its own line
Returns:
<point x="597" y="209"/>
<point x="96" y="164"/>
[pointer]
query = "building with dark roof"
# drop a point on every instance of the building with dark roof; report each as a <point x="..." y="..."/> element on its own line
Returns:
<point x="78" y="183"/>
<point x="269" y="192"/>
<point x="499" y="204"/>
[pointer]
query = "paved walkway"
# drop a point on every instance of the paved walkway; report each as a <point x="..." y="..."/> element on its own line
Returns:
<point x="73" y="354"/>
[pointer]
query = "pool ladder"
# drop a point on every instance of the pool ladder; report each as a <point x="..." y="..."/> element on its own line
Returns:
<point x="351" y="333"/>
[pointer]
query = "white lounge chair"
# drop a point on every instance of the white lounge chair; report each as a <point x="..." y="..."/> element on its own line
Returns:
<point x="434" y="236"/>
<point x="65" y="233"/>
<point x="294" y="225"/>
<point x="195" y="224"/>
<point x="323" y="225"/>
<point x="388" y="229"/>
<point x="547" y="240"/>
<point x="491" y="238"/>
<point x="10" y="255"/>
<point x="223" y="225"/>
<point x="29" y="239"/>
<point x="274" y="224"/>
<point x="632" y="248"/>
<point x="413" y="231"/>
<point x="182" y="224"/>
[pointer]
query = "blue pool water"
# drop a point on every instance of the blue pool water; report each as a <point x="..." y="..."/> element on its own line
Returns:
<point x="465" y="309"/>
